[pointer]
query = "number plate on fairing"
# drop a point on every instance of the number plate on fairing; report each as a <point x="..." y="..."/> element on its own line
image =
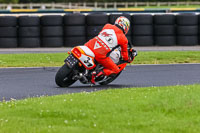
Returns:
<point x="87" y="61"/>
<point x="71" y="61"/>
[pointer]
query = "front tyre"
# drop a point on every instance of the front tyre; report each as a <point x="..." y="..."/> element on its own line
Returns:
<point x="109" y="79"/>
<point x="63" y="77"/>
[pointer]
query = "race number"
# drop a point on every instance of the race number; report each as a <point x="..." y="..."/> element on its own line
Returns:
<point x="87" y="61"/>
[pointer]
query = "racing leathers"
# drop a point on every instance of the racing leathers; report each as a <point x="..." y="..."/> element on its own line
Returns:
<point x="108" y="38"/>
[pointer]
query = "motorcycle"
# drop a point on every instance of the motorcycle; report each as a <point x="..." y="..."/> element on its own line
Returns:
<point x="80" y="64"/>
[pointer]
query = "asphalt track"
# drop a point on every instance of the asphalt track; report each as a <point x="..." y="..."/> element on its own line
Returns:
<point x="20" y="83"/>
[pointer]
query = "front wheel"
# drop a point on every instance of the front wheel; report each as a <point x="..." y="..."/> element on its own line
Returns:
<point x="109" y="79"/>
<point x="63" y="77"/>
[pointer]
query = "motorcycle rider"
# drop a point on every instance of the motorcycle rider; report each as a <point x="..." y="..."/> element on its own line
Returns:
<point x="109" y="38"/>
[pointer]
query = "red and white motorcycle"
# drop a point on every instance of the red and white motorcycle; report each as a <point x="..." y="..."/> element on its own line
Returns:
<point x="80" y="64"/>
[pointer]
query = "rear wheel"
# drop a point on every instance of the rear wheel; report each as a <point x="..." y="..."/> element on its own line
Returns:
<point x="64" y="76"/>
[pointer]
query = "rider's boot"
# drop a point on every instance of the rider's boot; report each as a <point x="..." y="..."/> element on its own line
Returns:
<point x="96" y="76"/>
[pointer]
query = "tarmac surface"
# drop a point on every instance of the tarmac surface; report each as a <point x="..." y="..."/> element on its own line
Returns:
<point x="20" y="83"/>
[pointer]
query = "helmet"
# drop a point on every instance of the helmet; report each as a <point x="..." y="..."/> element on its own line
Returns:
<point x="124" y="23"/>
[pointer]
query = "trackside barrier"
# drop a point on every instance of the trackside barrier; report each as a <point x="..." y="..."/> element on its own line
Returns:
<point x="87" y="10"/>
<point x="70" y="30"/>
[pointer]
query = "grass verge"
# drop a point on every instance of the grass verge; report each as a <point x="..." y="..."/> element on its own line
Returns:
<point x="152" y="109"/>
<point x="56" y="59"/>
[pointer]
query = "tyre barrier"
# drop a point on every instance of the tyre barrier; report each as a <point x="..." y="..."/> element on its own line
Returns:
<point x="187" y="29"/>
<point x="164" y="30"/>
<point x="142" y="30"/>
<point x="29" y="31"/>
<point x="51" y="20"/>
<point x="95" y="23"/>
<point x="52" y="31"/>
<point x="8" y="32"/>
<point x="75" y="29"/>
<point x="29" y="21"/>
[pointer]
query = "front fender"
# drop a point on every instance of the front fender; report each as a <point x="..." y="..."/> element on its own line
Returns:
<point x="122" y="66"/>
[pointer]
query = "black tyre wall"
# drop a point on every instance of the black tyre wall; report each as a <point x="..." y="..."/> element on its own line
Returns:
<point x="142" y="40"/>
<point x="164" y="30"/>
<point x="8" y="42"/>
<point x="8" y="32"/>
<point x="187" y="40"/>
<point x="52" y="41"/>
<point x="8" y="21"/>
<point x="142" y="19"/>
<point x="74" y="30"/>
<point x="199" y="28"/>
<point x="89" y="37"/>
<point x="93" y="30"/>
<point x="29" y="42"/>
<point x="74" y="41"/>
<point x="187" y="19"/>
<point x="164" y="19"/>
<point x="52" y="31"/>
<point x="74" y="19"/>
<point x="187" y="29"/>
<point x="142" y="30"/>
<point x="29" y="21"/>
<point x="97" y="19"/>
<point x="95" y="23"/>
<point x="29" y="32"/>
<point x="51" y="20"/>
<point x="129" y="38"/>
<point x="165" y="40"/>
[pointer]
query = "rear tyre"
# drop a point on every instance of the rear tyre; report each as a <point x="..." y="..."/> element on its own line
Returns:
<point x="64" y="76"/>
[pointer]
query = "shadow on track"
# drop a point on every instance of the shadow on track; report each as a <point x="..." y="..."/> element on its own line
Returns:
<point x="95" y="87"/>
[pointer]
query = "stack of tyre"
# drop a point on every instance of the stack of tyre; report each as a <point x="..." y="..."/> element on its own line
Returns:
<point x="164" y="30"/>
<point x="74" y="30"/>
<point x="95" y="23"/>
<point x="142" y="30"/>
<point x="52" y="31"/>
<point x="187" y="29"/>
<point x="29" y="31"/>
<point x="8" y="32"/>
<point x="113" y="17"/>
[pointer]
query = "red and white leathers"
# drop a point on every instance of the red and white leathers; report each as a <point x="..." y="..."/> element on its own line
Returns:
<point x="108" y="38"/>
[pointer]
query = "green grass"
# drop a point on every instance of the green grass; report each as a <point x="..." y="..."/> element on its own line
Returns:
<point x="173" y="109"/>
<point x="56" y="59"/>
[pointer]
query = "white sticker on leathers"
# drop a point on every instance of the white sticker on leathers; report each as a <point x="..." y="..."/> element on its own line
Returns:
<point x="109" y="37"/>
<point x="97" y="45"/>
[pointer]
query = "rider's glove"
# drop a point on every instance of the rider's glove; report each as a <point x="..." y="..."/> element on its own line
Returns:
<point x="130" y="60"/>
<point x="132" y="55"/>
<point x="134" y="52"/>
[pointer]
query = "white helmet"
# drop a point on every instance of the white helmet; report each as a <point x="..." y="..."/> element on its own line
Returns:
<point x="124" y="23"/>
